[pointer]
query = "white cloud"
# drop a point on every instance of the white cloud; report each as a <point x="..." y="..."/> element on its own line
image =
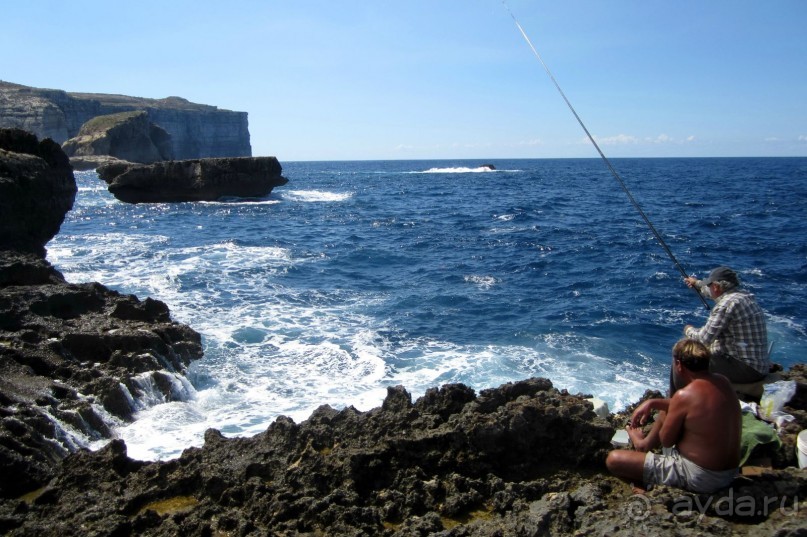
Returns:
<point x="626" y="139"/>
<point x="619" y="139"/>
<point x="803" y="138"/>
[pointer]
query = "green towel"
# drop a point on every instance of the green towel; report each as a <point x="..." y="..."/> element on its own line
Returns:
<point x="755" y="433"/>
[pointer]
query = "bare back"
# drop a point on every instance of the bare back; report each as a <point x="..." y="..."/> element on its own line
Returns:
<point x="706" y="416"/>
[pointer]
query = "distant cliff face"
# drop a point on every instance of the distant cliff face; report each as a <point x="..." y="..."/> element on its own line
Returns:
<point x="196" y="130"/>
<point x="126" y="136"/>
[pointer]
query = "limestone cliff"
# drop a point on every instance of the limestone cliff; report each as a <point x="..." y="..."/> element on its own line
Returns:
<point x="126" y="136"/>
<point x="196" y="130"/>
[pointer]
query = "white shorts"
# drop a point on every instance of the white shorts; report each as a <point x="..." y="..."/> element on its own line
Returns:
<point x="672" y="469"/>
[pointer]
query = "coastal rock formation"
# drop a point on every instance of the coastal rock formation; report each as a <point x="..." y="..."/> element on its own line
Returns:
<point x="128" y="136"/>
<point x="73" y="357"/>
<point x="521" y="459"/>
<point x="196" y="130"/>
<point x="37" y="188"/>
<point x="193" y="180"/>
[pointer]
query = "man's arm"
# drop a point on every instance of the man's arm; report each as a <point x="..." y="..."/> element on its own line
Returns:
<point x="673" y="427"/>
<point x="643" y="411"/>
<point x="714" y="326"/>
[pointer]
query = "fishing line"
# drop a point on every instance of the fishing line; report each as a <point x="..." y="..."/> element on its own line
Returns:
<point x="602" y="155"/>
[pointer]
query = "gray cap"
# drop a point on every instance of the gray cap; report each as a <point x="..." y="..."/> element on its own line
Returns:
<point x="722" y="274"/>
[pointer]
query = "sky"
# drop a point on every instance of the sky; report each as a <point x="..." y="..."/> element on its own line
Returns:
<point x="442" y="79"/>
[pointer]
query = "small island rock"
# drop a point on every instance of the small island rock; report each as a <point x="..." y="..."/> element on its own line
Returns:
<point x="207" y="179"/>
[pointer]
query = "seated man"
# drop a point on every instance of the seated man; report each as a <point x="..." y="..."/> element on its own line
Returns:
<point x="735" y="333"/>
<point x="699" y="427"/>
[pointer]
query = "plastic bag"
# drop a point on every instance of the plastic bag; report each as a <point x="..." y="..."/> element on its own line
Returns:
<point x="774" y="397"/>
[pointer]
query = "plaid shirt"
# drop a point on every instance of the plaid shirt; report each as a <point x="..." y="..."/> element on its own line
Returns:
<point x="736" y="327"/>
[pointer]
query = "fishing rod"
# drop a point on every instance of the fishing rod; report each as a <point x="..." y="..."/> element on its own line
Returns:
<point x="602" y="155"/>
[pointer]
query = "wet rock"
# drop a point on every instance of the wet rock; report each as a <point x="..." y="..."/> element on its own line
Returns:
<point x="70" y="354"/>
<point x="403" y="469"/>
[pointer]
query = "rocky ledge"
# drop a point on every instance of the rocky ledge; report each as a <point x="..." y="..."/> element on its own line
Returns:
<point x="193" y="180"/>
<point x="523" y="459"/>
<point x="74" y="358"/>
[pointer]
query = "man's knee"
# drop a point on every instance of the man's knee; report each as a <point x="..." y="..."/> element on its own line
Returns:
<point x="614" y="461"/>
<point x="625" y="464"/>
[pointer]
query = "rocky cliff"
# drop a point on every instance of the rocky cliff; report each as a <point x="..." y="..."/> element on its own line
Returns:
<point x="128" y="136"/>
<point x="196" y="130"/>
<point x="71" y="355"/>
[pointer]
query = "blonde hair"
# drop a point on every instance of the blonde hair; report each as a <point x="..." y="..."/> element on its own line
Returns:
<point x="692" y="354"/>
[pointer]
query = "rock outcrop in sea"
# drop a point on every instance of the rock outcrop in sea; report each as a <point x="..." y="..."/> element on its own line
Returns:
<point x="523" y="459"/>
<point x="193" y="180"/>
<point x="196" y="130"/>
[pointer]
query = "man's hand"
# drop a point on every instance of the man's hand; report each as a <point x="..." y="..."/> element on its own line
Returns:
<point x="687" y="327"/>
<point x="691" y="281"/>
<point x="640" y="415"/>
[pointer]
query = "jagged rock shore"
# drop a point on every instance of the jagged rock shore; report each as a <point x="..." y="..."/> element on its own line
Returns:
<point x="74" y="358"/>
<point x="523" y="459"/>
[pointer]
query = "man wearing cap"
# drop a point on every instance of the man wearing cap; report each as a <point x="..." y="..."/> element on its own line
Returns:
<point x="735" y="332"/>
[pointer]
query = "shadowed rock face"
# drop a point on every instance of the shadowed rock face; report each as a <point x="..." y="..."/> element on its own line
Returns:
<point x="37" y="188"/>
<point x="69" y="353"/>
<point x="128" y="136"/>
<point x="193" y="180"/>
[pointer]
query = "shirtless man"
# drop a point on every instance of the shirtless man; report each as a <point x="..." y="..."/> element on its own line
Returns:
<point x="699" y="429"/>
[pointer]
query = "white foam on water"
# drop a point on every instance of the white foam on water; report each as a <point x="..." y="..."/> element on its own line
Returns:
<point x="483" y="282"/>
<point x="430" y="364"/>
<point x="265" y="359"/>
<point x="272" y="350"/>
<point x="314" y="195"/>
<point x="235" y="201"/>
<point x="459" y="169"/>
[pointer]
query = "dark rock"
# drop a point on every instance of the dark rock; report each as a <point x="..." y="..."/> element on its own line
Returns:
<point x="127" y="136"/>
<point x="59" y="340"/>
<point x="68" y="352"/>
<point x="37" y="188"/>
<point x="193" y="180"/>
<point x="403" y="469"/>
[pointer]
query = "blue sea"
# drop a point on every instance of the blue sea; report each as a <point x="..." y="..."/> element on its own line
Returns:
<point x="358" y="276"/>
